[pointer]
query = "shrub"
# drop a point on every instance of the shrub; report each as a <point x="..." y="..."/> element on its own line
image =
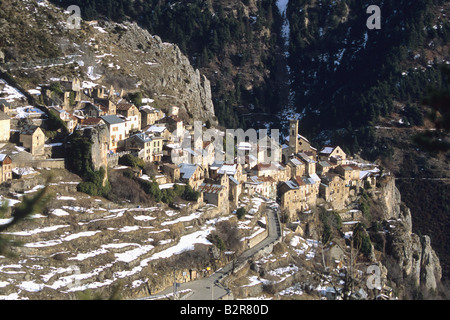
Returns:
<point x="56" y="88"/>
<point x="362" y="240"/>
<point x="190" y="194"/>
<point x="88" y="188"/>
<point x="215" y="239"/>
<point x="125" y="188"/>
<point x="241" y="212"/>
<point x="131" y="161"/>
<point x="54" y="122"/>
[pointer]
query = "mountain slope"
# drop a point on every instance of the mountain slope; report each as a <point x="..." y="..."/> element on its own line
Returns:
<point x="122" y="55"/>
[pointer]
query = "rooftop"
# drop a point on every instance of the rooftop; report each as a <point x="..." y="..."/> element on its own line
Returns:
<point x="112" y="119"/>
<point x="211" y="188"/>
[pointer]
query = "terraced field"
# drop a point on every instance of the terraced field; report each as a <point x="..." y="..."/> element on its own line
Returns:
<point x="89" y="243"/>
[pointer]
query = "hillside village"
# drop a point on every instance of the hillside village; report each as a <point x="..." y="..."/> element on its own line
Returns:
<point x="298" y="180"/>
<point x="299" y="177"/>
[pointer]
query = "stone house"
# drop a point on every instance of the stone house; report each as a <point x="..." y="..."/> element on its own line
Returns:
<point x="265" y="186"/>
<point x="208" y="154"/>
<point x="148" y="148"/>
<point x="334" y="153"/>
<point x="234" y="191"/>
<point x="310" y="185"/>
<point x="70" y="120"/>
<point x="5" y="168"/>
<point x="107" y="105"/>
<point x="72" y="90"/>
<point x="117" y="131"/>
<point x="90" y="122"/>
<point x="33" y="139"/>
<point x="192" y="174"/>
<point x="71" y="85"/>
<point x="150" y="116"/>
<point x="158" y="130"/>
<point x="172" y="171"/>
<point x="5" y="106"/>
<point x="310" y="163"/>
<point x="93" y="110"/>
<point x="267" y="170"/>
<point x="175" y="125"/>
<point x="131" y="113"/>
<point x="5" y="127"/>
<point x="233" y="170"/>
<point x="296" y="167"/>
<point x="215" y="194"/>
<point x="292" y="197"/>
<point x="323" y="167"/>
<point x="334" y="189"/>
<point x="350" y="173"/>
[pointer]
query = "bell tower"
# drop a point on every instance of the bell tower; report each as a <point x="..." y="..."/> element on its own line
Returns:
<point x="293" y="136"/>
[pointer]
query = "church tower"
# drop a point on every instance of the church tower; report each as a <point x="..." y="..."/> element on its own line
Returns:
<point x="293" y="136"/>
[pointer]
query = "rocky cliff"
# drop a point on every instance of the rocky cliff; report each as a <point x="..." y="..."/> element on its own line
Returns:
<point x="415" y="259"/>
<point x="156" y="67"/>
<point x="104" y="53"/>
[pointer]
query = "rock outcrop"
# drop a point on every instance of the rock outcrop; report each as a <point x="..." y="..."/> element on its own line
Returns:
<point x="160" y="68"/>
<point x="106" y="53"/>
<point x="412" y="253"/>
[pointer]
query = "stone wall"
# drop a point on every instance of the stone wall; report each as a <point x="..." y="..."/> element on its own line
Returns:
<point x="46" y="163"/>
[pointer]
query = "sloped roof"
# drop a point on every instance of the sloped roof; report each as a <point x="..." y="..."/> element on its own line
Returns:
<point x="296" y="162"/>
<point x="112" y="119"/>
<point x="90" y="121"/>
<point x="156" y="129"/>
<point x="29" y="130"/>
<point x="232" y="179"/>
<point x="187" y="170"/>
<point x="327" y="150"/>
<point x="124" y="106"/>
<point x="291" y="184"/>
<point x="211" y="188"/>
<point x="227" y="169"/>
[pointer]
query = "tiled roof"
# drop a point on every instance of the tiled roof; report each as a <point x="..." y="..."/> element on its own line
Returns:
<point x="124" y="106"/>
<point x="211" y="188"/>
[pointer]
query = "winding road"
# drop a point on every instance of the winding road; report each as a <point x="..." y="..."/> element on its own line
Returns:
<point x="210" y="288"/>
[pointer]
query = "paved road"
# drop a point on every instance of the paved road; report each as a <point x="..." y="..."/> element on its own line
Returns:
<point x="209" y="288"/>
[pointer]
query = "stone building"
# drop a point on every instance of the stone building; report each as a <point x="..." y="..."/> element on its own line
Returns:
<point x="292" y="196"/>
<point x="333" y="153"/>
<point x="192" y="174"/>
<point x="33" y="139"/>
<point x="172" y="171"/>
<point x="131" y="113"/>
<point x="149" y="148"/>
<point x="333" y="189"/>
<point x="150" y="116"/>
<point x="350" y="173"/>
<point x="215" y="194"/>
<point x="117" y="131"/>
<point x="5" y="168"/>
<point x="5" y="127"/>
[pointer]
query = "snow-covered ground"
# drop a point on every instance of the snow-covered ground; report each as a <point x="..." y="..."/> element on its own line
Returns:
<point x="9" y="93"/>
<point x="60" y="237"/>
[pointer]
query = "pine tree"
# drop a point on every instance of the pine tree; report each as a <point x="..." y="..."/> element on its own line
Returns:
<point x="439" y="100"/>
